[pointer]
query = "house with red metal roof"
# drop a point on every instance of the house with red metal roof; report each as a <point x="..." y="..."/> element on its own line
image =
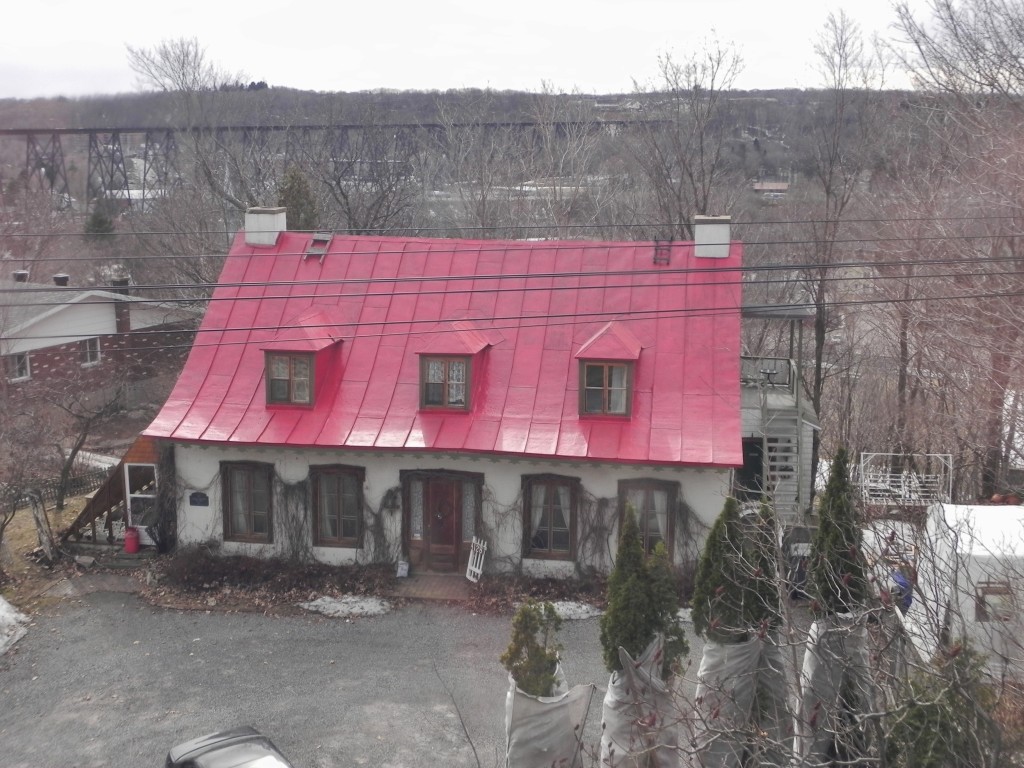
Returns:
<point x="364" y="398"/>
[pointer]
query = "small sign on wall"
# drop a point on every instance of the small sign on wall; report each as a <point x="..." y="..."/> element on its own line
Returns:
<point x="198" y="499"/>
<point x="403" y="569"/>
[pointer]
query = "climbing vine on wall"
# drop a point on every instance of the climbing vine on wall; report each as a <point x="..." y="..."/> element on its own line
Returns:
<point x="376" y="546"/>
<point x="293" y="519"/>
<point x="168" y="496"/>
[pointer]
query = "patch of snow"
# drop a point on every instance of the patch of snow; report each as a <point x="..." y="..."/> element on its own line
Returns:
<point x="349" y="605"/>
<point x="11" y="626"/>
<point x="98" y="460"/>
<point x="685" y="615"/>
<point x="571" y="610"/>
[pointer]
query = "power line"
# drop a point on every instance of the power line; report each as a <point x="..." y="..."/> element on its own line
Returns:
<point x="566" y="318"/>
<point x="392" y="231"/>
<point x="421" y="279"/>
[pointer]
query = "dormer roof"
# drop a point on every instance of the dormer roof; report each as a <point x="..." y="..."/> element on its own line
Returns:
<point x="311" y="330"/>
<point x="456" y="338"/>
<point x="613" y="342"/>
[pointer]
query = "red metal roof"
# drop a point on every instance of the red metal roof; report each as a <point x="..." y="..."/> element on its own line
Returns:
<point x="524" y="310"/>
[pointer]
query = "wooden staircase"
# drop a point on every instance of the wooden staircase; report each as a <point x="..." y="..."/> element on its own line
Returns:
<point x="106" y="508"/>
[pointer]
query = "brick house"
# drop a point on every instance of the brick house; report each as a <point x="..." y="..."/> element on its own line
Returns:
<point x="89" y="337"/>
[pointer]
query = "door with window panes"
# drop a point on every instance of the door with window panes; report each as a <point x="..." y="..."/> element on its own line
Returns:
<point x="441" y="510"/>
<point x="140" y="488"/>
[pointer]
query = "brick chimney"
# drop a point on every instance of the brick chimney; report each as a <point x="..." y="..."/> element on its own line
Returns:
<point x="263" y="225"/>
<point x="711" y="237"/>
<point x="122" y="311"/>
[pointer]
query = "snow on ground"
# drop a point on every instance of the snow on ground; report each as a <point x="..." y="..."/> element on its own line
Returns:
<point x="571" y="610"/>
<point x="11" y="626"/>
<point x="348" y="605"/>
<point x="98" y="460"/>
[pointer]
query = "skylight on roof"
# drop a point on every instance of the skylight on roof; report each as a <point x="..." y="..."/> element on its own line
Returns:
<point x="318" y="245"/>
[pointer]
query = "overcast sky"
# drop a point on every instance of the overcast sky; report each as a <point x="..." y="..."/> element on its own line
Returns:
<point x="74" y="48"/>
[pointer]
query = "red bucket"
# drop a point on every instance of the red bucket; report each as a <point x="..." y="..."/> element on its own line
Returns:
<point x="131" y="540"/>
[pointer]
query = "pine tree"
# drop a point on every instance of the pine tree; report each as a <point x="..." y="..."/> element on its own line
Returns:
<point x="948" y="718"/>
<point x="736" y="590"/>
<point x="838" y="580"/>
<point x="720" y="583"/>
<point x="532" y="655"/>
<point x="101" y="220"/>
<point x="665" y="606"/>
<point x="297" y="197"/>
<point x="642" y="601"/>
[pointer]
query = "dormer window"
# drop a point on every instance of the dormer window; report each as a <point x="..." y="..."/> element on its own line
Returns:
<point x="444" y="382"/>
<point x="289" y="378"/>
<point x="607" y="366"/>
<point x="606" y="388"/>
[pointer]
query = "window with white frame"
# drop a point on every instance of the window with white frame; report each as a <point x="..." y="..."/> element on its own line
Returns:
<point x="89" y="351"/>
<point x="17" y="367"/>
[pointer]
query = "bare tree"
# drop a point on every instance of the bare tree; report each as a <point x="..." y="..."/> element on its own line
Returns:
<point x="967" y="57"/>
<point x="481" y="167"/>
<point x="974" y="47"/>
<point x="680" y="140"/>
<point x="845" y="127"/>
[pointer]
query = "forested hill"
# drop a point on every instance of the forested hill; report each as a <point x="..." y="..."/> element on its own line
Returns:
<point x="249" y="105"/>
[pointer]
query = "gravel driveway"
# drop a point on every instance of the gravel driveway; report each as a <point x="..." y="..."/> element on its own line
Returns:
<point x="104" y="679"/>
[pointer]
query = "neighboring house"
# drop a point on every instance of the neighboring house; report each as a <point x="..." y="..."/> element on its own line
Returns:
<point x="357" y="398"/>
<point x="59" y="333"/>
<point x="966" y="563"/>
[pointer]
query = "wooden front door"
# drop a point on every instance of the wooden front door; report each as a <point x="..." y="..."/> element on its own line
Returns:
<point x="442" y="523"/>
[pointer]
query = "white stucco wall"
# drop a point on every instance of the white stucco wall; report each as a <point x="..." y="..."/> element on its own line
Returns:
<point x="703" y="492"/>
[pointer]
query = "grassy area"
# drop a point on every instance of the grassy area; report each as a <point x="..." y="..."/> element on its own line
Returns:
<point x="24" y="578"/>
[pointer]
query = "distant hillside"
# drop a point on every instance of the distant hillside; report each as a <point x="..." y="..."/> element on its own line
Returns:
<point x="284" y="106"/>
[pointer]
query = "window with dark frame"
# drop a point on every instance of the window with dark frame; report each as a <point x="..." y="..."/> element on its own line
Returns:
<point x="247" y="494"/>
<point x="549" y="515"/>
<point x="654" y="502"/>
<point x="17" y="366"/>
<point x="993" y="601"/>
<point x="89" y="351"/>
<point x="444" y="382"/>
<point x="605" y="388"/>
<point x="289" y="378"/>
<point x="337" y="505"/>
